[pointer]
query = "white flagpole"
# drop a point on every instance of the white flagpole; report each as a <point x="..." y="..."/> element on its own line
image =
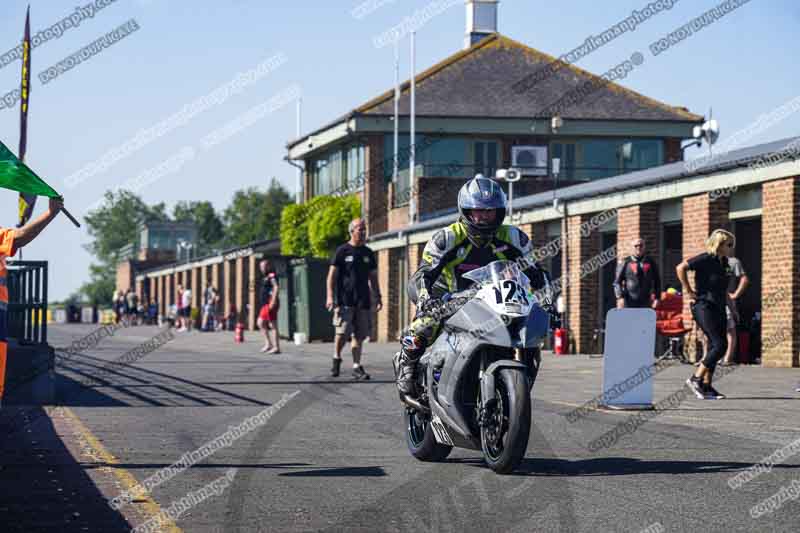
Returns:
<point x="299" y="171"/>
<point x="395" y="167"/>
<point x="412" y="207"/>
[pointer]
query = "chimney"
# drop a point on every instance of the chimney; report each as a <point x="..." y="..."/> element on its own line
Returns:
<point x="481" y="20"/>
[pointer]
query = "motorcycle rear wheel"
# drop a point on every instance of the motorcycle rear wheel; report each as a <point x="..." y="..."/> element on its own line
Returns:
<point x="420" y="439"/>
<point x="505" y="444"/>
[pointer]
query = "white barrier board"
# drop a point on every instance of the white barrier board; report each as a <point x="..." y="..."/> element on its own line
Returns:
<point x="628" y="355"/>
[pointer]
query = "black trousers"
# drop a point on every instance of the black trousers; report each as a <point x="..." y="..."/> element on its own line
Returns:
<point x="713" y="321"/>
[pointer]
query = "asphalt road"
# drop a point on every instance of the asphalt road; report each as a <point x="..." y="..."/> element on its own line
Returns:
<point x="333" y="457"/>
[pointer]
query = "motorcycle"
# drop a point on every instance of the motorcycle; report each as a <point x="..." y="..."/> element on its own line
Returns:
<point x="475" y="380"/>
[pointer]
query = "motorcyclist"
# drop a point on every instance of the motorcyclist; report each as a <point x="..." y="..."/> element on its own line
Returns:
<point x="475" y="240"/>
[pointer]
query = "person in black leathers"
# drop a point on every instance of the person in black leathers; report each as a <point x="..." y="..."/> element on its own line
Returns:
<point x="637" y="283"/>
<point x="475" y="240"/>
<point x="707" y="303"/>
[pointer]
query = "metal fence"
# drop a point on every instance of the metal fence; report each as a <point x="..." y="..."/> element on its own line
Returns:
<point x="27" y="301"/>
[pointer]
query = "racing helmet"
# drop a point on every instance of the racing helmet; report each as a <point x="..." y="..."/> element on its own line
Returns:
<point x="481" y="194"/>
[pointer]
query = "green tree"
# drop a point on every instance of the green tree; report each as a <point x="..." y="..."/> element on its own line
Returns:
<point x="255" y="215"/>
<point x="318" y="226"/>
<point x="327" y="227"/>
<point x="100" y="287"/>
<point x="113" y="226"/>
<point x="294" y="230"/>
<point x="210" y="230"/>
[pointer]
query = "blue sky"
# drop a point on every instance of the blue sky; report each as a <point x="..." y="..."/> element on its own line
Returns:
<point x="743" y="65"/>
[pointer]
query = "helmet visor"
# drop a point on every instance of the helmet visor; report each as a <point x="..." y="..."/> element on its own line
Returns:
<point x="481" y="217"/>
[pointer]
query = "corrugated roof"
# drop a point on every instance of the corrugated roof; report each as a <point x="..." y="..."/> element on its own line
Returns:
<point x="624" y="182"/>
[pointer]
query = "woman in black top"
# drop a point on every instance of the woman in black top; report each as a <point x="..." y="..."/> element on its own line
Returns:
<point x="708" y="305"/>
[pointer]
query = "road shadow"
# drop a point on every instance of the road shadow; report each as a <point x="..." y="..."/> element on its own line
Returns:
<point x="199" y="466"/>
<point x="626" y="466"/>
<point x="331" y="381"/>
<point x="42" y="486"/>
<point x="735" y="398"/>
<point x="348" y="471"/>
<point x="77" y="379"/>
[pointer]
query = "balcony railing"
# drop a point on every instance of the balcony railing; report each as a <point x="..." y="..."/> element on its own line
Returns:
<point x="27" y="301"/>
<point x="567" y="175"/>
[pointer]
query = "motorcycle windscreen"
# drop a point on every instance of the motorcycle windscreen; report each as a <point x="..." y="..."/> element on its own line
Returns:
<point x="628" y="356"/>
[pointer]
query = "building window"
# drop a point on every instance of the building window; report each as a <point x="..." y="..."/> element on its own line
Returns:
<point x="591" y="159"/>
<point x="484" y="158"/>
<point x="403" y="155"/>
<point x="322" y="182"/>
<point x="335" y="171"/>
<point x="341" y="170"/>
<point x="355" y="168"/>
<point x="565" y="152"/>
<point x="446" y="157"/>
<point x="436" y="157"/>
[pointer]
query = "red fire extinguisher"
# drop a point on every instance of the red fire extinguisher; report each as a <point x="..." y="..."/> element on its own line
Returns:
<point x="560" y="341"/>
<point x="239" y="332"/>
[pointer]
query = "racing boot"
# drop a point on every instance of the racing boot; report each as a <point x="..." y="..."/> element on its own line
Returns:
<point x="405" y="365"/>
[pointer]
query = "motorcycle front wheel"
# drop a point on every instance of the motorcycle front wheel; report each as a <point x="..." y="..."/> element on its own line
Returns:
<point x="504" y="435"/>
<point x="420" y="439"/>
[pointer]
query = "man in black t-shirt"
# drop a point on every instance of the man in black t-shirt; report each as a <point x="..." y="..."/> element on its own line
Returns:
<point x="637" y="283"/>
<point x="354" y="278"/>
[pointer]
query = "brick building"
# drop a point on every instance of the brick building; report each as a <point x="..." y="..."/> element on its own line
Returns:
<point x="674" y="209"/>
<point x="234" y="273"/>
<point x="157" y="243"/>
<point x="620" y="154"/>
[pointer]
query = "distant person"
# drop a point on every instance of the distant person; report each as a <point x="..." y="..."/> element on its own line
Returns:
<point x="268" y="316"/>
<point x="172" y="316"/>
<point x="637" y="283"/>
<point x="353" y="275"/>
<point x="187" y="309"/>
<point x="230" y="319"/>
<point x="179" y="309"/>
<point x="132" y="301"/>
<point x="152" y="312"/>
<point x="209" y="304"/>
<point x="708" y="303"/>
<point x="122" y="307"/>
<point x="12" y="240"/>
<point x="737" y="284"/>
<point x="115" y="305"/>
